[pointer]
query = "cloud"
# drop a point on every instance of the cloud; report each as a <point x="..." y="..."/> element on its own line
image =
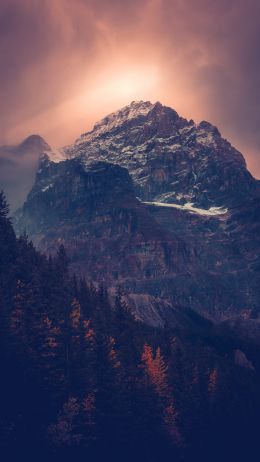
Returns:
<point x="18" y="165"/>
<point x="59" y="59"/>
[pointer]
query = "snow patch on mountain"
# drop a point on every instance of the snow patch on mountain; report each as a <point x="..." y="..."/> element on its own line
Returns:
<point x="45" y="188"/>
<point x="188" y="207"/>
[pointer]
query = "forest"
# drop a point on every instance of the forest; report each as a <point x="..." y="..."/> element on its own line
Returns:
<point x="82" y="379"/>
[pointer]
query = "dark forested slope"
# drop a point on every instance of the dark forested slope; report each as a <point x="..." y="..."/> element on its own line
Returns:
<point x="81" y="379"/>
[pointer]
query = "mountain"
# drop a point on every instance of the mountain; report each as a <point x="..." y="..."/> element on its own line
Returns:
<point x="18" y="165"/>
<point x="170" y="159"/>
<point x="158" y="205"/>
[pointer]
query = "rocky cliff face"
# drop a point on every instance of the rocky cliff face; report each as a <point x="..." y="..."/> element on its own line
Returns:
<point x="110" y="236"/>
<point x="156" y="204"/>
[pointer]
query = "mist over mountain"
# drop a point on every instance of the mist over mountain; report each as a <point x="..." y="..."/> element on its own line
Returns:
<point x="18" y="166"/>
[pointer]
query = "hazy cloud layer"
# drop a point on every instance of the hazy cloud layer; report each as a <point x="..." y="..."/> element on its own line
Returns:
<point x="18" y="165"/>
<point x="66" y="63"/>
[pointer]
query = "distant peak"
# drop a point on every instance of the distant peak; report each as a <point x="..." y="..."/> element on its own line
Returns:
<point x="34" y="138"/>
<point x="34" y="142"/>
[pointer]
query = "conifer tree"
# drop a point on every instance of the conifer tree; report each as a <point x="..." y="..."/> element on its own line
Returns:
<point x="4" y="207"/>
<point x="156" y="371"/>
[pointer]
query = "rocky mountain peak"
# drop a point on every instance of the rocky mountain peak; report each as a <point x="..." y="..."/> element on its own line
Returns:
<point x="171" y="159"/>
<point x="132" y="110"/>
<point x="136" y="114"/>
<point x="116" y="119"/>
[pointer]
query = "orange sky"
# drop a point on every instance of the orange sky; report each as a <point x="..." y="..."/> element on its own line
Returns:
<point x="67" y="63"/>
